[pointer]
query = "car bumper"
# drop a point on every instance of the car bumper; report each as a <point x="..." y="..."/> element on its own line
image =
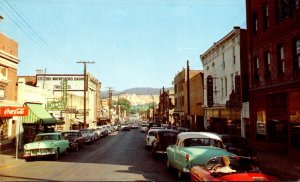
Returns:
<point x="39" y="152"/>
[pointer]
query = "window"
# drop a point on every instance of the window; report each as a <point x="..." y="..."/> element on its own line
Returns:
<point x="222" y="87"/>
<point x="255" y="25"/>
<point x="233" y="54"/>
<point x="223" y="61"/>
<point x="256" y="68"/>
<point x="266" y="17"/>
<point x="297" y="54"/>
<point x="297" y="4"/>
<point x="232" y="82"/>
<point x="3" y="73"/>
<point x="267" y="61"/>
<point x="280" y="54"/>
<point x="225" y="82"/>
<point x="284" y="8"/>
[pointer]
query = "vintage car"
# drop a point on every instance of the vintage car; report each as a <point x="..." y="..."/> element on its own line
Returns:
<point x="143" y="128"/>
<point x="163" y="138"/>
<point x="75" y="138"/>
<point x="242" y="169"/>
<point x="46" y="144"/>
<point x="150" y="136"/>
<point x="88" y="135"/>
<point x="189" y="148"/>
<point x="237" y="145"/>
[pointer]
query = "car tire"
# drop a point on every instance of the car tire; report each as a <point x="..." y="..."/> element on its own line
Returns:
<point x="77" y="147"/>
<point x="168" y="165"/>
<point x="56" y="155"/>
<point x="28" y="159"/>
<point x="179" y="174"/>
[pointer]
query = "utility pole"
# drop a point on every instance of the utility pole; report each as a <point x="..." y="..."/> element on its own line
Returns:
<point x="188" y="87"/>
<point x="84" y="92"/>
<point x="110" y="90"/>
<point x="118" y="110"/>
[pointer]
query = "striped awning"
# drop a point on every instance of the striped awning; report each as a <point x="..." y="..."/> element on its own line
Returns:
<point x="38" y="115"/>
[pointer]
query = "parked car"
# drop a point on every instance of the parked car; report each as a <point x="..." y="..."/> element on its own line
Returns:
<point x="88" y="135"/>
<point x="189" y="148"/>
<point x="237" y="145"/>
<point x="143" y="128"/>
<point x="76" y="140"/>
<point x="243" y="169"/>
<point x="134" y="126"/>
<point x="163" y="138"/>
<point x="46" y="144"/>
<point x="150" y="136"/>
<point x="125" y="128"/>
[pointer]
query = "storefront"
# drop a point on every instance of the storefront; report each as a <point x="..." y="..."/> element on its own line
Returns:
<point x="37" y="121"/>
<point x="223" y="120"/>
<point x="9" y="117"/>
<point x="275" y="120"/>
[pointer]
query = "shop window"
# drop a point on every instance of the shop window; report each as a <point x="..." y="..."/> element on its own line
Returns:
<point x="278" y="131"/>
<point x="266" y="22"/>
<point x="267" y="60"/>
<point x="280" y="58"/>
<point x="297" y="54"/>
<point x="3" y="130"/>
<point x="295" y="136"/>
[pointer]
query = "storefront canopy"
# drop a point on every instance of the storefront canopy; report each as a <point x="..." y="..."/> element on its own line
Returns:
<point x="38" y="115"/>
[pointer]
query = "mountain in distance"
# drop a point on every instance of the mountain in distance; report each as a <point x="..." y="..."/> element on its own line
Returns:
<point x="136" y="91"/>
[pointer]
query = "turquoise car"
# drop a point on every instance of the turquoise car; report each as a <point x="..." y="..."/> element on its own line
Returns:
<point x="46" y="144"/>
<point x="193" y="147"/>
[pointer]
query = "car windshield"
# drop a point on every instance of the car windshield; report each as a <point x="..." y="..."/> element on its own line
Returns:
<point x="239" y="164"/>
<point x="45" y="137"/>
<point x="70" y="134"/>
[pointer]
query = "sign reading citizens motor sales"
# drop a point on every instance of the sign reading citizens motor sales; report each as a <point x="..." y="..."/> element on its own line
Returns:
<point x="10" y="111"/>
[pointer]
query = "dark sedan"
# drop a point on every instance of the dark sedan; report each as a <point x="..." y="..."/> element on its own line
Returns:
<point x="163" y="138"/>
<point x="237" y="145"/>
<point x="75" y="138"/>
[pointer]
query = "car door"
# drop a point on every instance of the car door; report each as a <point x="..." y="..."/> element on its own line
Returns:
<point x="63" y="144"/>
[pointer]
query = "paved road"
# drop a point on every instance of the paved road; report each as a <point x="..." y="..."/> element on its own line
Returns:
<point x="118" y="157"/>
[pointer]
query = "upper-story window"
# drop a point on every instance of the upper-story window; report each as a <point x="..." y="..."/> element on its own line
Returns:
<point x="223" y="61"/>
<point x="233" y="54"/>
<point x="256" y="68"/>
<point x="3" y="73"/>
<point x="280" y="57"/>
<point x="297" y="4"/>
<point x="284" y="8"/>
<point x="255" y="23"/>
<point x="297" y="54"/>
<point x="266" y="22"/>
<point x="267" y="60"/>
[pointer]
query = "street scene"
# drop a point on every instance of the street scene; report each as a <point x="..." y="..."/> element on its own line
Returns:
<point x="101" y="90"/>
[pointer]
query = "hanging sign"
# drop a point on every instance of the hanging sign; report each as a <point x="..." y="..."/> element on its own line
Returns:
<point x="10" y="111"/>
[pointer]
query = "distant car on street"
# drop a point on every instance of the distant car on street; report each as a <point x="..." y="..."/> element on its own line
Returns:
<point x="143" y="128"/>
<point x="150" y="136"/>
<point x="46" y="144"/>
<point x="163" y="138"/>
<point x="75" y="138"/>
<point x="125" y="128"/>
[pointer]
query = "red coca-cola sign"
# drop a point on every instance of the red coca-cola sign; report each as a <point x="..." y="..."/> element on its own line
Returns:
<point x="10" y="111"/>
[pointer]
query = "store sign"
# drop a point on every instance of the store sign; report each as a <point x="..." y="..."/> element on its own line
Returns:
<point x="210" y="91"/>
<point x="11" y="111"/>
<point x="75" y="82"/>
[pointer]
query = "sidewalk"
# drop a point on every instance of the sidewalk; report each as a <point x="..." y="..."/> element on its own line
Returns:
<point x="285" y="168"/>
<point x="8" y="158"/>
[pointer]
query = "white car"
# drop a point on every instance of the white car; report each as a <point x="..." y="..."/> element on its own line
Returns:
<point x="144" y="128"/>
<point x="150" y="136"/>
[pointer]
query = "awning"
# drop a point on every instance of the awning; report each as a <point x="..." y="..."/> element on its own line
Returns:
<point x="76" y="121"/>
<point x="38" y="115"/>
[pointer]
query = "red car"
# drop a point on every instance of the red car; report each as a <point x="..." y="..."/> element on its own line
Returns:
<point x="242" y="169"/>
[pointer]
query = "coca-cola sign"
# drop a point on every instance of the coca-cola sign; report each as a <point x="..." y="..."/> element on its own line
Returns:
<point x="10" y="111"/>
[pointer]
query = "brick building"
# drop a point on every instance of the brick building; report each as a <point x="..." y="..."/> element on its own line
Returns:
<point x="274" y="73"/>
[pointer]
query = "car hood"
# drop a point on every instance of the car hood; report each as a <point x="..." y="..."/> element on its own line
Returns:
<point x="41" y="144"/>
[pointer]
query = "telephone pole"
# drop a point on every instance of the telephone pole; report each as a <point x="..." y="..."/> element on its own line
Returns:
<point x="85" y="88"/>
<point x="110" y="90"/>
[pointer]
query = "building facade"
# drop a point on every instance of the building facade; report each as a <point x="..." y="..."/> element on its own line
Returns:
<point x="274" y="73"/>
<point x="195" y="119"/>
<point x="10" y="109"/>
<point x="222" y="85"/>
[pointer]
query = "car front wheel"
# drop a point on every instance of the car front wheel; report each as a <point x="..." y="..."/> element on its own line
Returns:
<point x="56" y="155"/>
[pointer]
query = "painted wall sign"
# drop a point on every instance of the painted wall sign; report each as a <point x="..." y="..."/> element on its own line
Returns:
<point x="10" y="111"/>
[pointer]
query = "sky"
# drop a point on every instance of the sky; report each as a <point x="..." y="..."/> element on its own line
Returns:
<point x="133" y="43"/>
